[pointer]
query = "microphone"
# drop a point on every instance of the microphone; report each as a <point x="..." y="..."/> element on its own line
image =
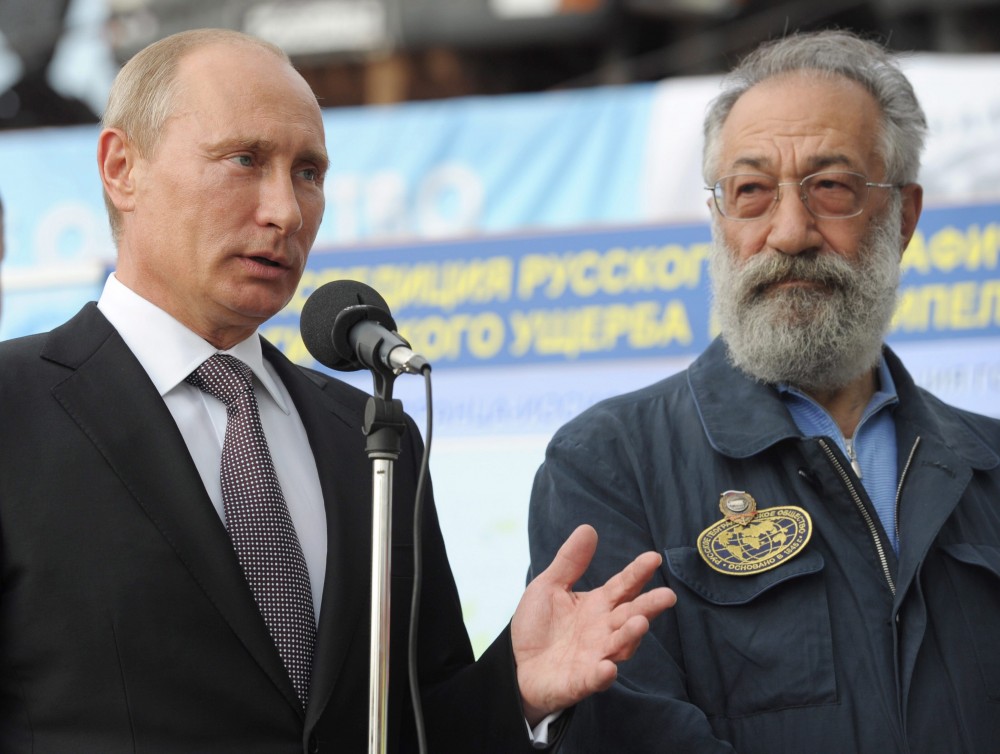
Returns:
<point x="346" y="325"/>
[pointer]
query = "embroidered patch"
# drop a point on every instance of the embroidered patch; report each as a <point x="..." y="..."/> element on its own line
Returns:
<point x="771" y="537"/>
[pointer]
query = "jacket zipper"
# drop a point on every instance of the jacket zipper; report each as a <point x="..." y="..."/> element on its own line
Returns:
<point x="879" y="547"/>
<point x="899" y="489"/>
<point x="852" y="455"/>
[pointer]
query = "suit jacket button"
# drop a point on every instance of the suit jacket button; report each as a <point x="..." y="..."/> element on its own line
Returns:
<point x="313" y="744"/>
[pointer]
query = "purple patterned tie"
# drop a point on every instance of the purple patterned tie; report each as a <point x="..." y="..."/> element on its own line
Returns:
<point x="258" y="522"/>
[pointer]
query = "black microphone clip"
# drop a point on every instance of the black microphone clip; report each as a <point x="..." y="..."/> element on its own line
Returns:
<point x="364" y="335"/>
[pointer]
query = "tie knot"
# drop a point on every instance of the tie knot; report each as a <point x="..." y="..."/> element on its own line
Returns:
<point x="223" y="377"/>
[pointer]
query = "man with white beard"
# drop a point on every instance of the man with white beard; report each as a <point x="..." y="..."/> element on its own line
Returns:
<point x="831" y="530"/>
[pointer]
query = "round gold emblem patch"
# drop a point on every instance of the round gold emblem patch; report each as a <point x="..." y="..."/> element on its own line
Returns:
<point x="772" y="537"/>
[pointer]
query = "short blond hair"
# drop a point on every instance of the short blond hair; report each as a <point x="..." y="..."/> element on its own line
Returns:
<point x="142" y="95"/>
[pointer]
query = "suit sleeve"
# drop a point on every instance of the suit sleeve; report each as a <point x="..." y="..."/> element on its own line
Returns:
<point x="468" y="705"/>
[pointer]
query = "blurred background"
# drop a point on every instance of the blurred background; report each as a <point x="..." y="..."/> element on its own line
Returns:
<point x="521" y="180"/>
<point x="59" y="55"/>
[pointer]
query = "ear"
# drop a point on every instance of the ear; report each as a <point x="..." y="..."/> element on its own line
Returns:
<point x="115" y="163"/>
<point x="913" y="203"/>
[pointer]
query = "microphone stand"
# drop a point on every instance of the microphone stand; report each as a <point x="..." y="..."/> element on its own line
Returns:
<point x="384" y="426"/>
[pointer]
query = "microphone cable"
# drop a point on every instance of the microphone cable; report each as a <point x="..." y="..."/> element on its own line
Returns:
<point x="418" y="515"/>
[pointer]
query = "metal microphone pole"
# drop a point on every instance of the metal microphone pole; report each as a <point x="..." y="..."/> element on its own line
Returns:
<point x="384" y="426"/>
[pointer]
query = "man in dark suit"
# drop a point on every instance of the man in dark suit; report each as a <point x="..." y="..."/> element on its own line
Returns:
<point x="129" y="620"/>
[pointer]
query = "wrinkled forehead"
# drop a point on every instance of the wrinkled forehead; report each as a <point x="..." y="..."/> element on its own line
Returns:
<point x="235" y="83"/>
<point x="799" y="123"/>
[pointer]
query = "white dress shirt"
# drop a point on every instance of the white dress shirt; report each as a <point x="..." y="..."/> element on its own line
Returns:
<point x="169" y="352"/>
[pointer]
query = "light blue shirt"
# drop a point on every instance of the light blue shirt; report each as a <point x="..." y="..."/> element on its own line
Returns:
<point x="874" y="442"/>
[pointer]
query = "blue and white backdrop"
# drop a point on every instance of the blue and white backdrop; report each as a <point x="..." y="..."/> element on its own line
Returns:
<point x="544" y="251"/>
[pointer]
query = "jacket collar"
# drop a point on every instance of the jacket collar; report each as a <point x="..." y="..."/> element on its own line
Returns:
<point x="937" y="420"/>
<point x="742" y="417"/>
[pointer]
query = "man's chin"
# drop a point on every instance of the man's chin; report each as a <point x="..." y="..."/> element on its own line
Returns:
<point x="260" y="302"/>
<point x="802" y="294"/>
<point x="787" y="308"/>
<point x="800" y="354"/>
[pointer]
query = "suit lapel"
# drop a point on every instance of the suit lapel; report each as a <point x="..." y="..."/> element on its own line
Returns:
<point x="110" y="397"/>
<point x="334" y="430"/>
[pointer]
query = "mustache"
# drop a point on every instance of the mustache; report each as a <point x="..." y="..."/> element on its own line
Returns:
<point x="770" y="268"/>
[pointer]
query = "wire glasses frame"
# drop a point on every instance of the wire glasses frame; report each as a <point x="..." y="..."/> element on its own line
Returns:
<point x="830" y="194"/>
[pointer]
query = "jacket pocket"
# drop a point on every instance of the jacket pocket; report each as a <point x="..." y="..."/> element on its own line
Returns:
<point x="977" y="589"/>
<point x="754" y="643"/>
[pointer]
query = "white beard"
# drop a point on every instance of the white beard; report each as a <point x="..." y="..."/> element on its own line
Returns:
<point x="815" y="339"/>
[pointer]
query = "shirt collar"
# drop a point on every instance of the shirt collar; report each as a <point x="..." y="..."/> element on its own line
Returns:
<point x="166" y="349"/>
<point x="885" y="394"/>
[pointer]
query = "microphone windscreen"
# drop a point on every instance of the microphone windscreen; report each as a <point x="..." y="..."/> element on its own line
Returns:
<point x="348" y="301"/>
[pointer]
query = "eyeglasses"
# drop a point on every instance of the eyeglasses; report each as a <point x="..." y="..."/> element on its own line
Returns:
<point x="830" y="194"/>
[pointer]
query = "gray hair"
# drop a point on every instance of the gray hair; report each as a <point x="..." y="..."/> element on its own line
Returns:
<point x="831" y="53"/>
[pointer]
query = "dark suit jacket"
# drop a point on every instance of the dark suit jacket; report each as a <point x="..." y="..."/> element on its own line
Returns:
<point x="125" y="622"/>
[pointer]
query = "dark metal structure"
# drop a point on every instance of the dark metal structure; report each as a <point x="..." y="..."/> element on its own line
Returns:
<point x="367" y="51"/>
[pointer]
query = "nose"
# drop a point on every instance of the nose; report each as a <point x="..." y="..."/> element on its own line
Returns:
<point x="279" y="204"/>
<point x="792" y="227"/>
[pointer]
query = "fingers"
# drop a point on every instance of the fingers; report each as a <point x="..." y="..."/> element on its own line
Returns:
<point x="573" y="558"/>
<point x="633" y="619"/>
<point x="567" y="644"/>
<point x="603" y="676"/>
<point x="626" y="639"/>
<point x="652" y="603"/>
<point x="623" y="591"/>
<point x="628" y="582"/>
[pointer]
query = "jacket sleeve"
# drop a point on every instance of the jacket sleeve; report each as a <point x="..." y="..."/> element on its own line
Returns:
<point x="590" y="475"/>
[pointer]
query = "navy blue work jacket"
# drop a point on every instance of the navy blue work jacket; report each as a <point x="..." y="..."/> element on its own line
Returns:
<point x="844" y="647"/>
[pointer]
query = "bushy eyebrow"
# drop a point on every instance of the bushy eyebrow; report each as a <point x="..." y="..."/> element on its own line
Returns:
<point x="816" y="163"/>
